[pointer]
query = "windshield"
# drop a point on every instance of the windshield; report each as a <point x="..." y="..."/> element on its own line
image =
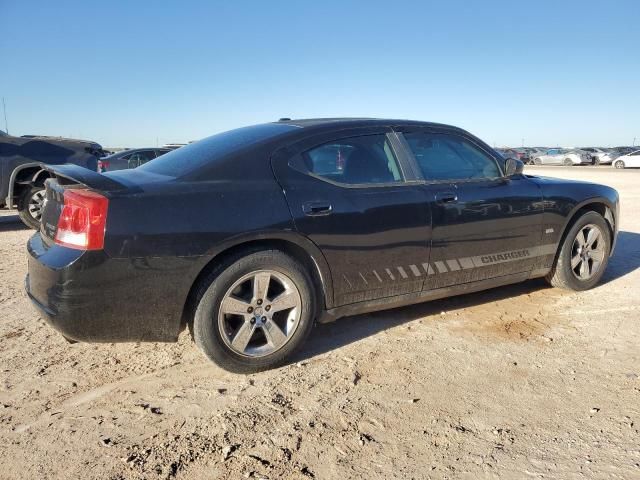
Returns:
<point x="212" y="149"/>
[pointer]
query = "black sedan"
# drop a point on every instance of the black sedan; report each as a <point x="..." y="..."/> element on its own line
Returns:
<point x="249" y="236"/>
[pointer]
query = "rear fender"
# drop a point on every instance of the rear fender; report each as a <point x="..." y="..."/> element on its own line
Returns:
<point x="295" y="238"/>
<point x="14" y="176"/>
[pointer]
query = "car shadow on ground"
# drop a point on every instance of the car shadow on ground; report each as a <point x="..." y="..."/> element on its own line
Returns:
<point x="344" y="331"/>
<point x="11" y="223"/>
<point x="626" y="257"/>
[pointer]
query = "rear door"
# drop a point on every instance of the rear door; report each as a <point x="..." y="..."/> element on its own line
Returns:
<point x="353" y="194"/>
<point x="484" y="225"/>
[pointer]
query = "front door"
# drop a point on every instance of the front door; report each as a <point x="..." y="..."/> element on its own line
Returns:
<point x="484" y="225"/>
<point x="355" y="199"/>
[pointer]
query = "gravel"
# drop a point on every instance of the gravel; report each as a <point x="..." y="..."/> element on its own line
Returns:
<point x="523" y="381"/>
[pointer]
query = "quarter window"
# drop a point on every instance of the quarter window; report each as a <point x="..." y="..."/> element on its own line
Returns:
<point x="353" y="161"/>
<point x="449" y="157"/>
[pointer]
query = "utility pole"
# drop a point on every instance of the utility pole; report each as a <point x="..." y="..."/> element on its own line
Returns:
<point x="522" y="143"/>
<point x="634" y="142"/>
<point x="6" y="125"/>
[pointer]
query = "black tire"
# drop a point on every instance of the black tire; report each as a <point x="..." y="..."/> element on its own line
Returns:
<point x="619" y="164"/>
<point x="28" y="213"/>
<point x="561" y="274"/>
<point x="567" y="162"/>
<point x="204" y="324"/>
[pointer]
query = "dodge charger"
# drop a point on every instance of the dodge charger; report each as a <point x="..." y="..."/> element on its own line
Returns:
<point x="249" y="237"/>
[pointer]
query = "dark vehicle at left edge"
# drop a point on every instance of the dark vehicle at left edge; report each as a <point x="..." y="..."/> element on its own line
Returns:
<point x="22" y="176"/>
<point x="248" y="237"/>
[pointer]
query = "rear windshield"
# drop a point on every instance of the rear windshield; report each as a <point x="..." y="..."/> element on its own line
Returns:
<point x="189" y="158"/>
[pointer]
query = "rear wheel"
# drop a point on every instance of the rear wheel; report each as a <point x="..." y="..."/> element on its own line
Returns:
<point x="537" y="161"/>
<point x="567" y="162"/>
<point x="583" y="255"/>
<point x="30" y="205"/>
<point x="253" y="312"/>
<point x="619" y="164"/>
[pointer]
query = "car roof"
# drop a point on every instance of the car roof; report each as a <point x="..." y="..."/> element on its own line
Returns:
<point x="347" y="122"/>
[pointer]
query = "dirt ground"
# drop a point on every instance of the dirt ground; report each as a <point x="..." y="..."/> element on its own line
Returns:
<point x="524" y="381"/>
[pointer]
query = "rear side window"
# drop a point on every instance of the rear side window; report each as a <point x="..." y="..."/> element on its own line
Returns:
<point x="211" y="150"/>
<point x="354" y="161"/>
<point x="450" y="157"/>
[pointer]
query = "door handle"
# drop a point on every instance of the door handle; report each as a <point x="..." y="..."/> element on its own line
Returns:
<point x="446" y="197"/>
<point x="316" y="209"/>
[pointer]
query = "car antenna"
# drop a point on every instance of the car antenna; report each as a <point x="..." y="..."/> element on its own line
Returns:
<point x="6" y="125"/>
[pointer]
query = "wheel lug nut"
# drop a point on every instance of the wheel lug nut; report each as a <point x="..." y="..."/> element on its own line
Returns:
<point x="250" y="309"/>
<point x="267" y="308"/>
<point x="259" y="302"/>
<point x="252" y="321"/>
<point x="264" y="319"/>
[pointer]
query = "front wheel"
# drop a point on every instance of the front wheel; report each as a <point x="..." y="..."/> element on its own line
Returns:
<point x="30" y="205"/>
<point x="619" y="164"/>
<point x="583" y="255"/>
<point x="254" y="312"/>
<point x="537" y="161"/>
<point x="567" y="162"/>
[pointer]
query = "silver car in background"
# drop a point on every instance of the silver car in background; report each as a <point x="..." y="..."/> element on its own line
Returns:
<point x="563" y="156"/>
<point x="600" y="155"/>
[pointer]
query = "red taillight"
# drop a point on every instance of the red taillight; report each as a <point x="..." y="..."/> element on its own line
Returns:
<point x="102" y="166"/>
<point x="83" y="219"/>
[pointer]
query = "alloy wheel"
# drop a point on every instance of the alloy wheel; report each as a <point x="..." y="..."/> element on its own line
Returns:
<point x="36" y="204"/>
<point x="260" y="313"/>
<point x="588" y="251"/>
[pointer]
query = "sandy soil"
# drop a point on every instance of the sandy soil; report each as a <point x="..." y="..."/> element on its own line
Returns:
<point x="523" y="381"/>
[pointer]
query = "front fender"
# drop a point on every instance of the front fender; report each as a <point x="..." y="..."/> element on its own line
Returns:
<point x="611" y="215"/>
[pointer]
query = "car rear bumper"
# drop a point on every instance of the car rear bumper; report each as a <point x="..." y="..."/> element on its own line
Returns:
<point x="88" y="296"/>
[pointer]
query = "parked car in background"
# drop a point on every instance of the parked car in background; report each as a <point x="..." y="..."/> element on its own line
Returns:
<point x="130" y="158"/>
<point x="515" y="153"/>
<point x="534" y="152"/>
<point x="630" y="160"/>
<point x="599" y="155"/>
<point x="21" y="174"/>
<point x="563" y="156"/>
<point x="305" y="220"/>
<point x="623" y="150"/>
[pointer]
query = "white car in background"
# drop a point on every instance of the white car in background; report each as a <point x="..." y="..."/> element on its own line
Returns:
<point x="563" y="156"/>
<point x="630" y="160"/>
<point x="599" y="155"/>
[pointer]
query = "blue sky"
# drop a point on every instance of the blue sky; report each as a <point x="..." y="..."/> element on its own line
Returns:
<point x="133" y="73"/>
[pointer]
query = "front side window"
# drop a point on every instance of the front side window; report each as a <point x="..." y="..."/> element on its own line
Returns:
<point x="354" y="161"/>
<point x="450" y="157"/>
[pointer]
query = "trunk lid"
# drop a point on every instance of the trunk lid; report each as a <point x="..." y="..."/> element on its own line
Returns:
<point x="69" y="176"/>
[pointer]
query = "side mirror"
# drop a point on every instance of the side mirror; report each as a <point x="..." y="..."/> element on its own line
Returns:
<point x="513" y="167"/>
